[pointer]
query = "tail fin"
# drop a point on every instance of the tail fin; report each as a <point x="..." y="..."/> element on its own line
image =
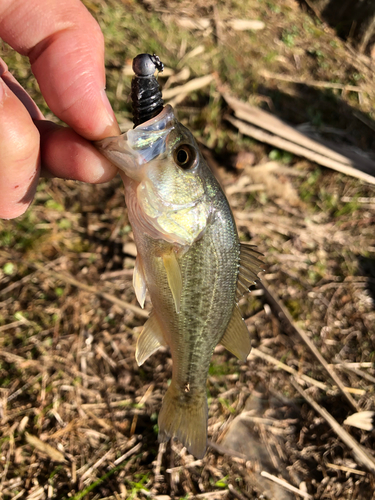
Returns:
<point x="184" y="415"/>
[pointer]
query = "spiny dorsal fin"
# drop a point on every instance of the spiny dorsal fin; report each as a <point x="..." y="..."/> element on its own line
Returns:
<point x="250" y="265"/>
<point x="139" y="282"/>
<point x="150" y="339"/>
<point x="174" y="277"/>
<point x="236" y="337"/>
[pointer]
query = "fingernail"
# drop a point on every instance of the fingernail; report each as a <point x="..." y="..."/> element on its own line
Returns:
<point x="112" y="127"/>
<point x="107" y="105"/>
<point x="2" y="89"/>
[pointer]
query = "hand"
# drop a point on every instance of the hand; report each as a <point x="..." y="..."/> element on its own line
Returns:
<point x="66" y="50"/>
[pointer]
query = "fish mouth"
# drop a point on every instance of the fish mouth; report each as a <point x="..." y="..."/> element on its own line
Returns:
<point x="131" y="150"/>
<point x="148" y="140"/>
<point x="153" y="123"/>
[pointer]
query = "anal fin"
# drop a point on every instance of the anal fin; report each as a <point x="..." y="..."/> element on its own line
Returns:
<point x="174" y="277"/>
<point x="150" y="339"/>
<point x="139" y="282"/>
<point x="236" y="337"/>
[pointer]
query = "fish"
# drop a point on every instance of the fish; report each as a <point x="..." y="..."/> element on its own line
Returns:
<point x="191" y="261"/>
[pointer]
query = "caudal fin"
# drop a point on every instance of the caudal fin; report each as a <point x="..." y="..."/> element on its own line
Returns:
<point x="184" y="415"/>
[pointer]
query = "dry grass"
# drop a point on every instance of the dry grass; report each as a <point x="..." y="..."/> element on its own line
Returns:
<point x="78" y="418"/>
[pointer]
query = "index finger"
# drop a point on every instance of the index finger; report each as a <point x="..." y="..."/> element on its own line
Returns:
<point x="66" y="49"/>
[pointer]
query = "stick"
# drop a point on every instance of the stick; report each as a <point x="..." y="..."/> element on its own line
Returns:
<point x="286" y="485"/>
<point x="126" y="455"/>
<point x="346" y="469"/>
<point x="236" y="493"/>
<point x="285" y="313"/>
<point x="302" y="376"/>
<point x="359" y="452"/>
<point x="107" y="296"/>
<point x="310" y="83"/>
<point x="188" y="87"/>
<point x="286" y="145"/>
<point x="283" y="366"/>
<point x="269" y="122"/>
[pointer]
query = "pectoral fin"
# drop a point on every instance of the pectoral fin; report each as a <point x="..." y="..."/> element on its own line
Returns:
<point x="139" y="282"/>
<point x="237" y="338"/>
<point x="174" y="277"/>
<point x="150" y="339"/>
<point x="250" y="265"/>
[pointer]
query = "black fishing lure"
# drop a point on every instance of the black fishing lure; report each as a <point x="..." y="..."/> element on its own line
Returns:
<point x="145" y="91"/>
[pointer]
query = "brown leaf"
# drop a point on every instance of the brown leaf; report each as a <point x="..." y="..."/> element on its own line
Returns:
<point x="46" y="448"/>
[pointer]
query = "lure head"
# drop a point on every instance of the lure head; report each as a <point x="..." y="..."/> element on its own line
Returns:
<point x="163" y="168"/>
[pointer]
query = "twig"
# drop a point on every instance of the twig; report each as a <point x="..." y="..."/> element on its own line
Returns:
<point x="285" y="313"/>
<point x="97" y="464"/>
<point x="274" y="131"/>
<point x="218" y="25"/>
<point x="236" y="493"/>
<point x="246" y="24"/>
<point x="128" y="454"/>
<point x="286" y="485"/>
<point x="363" y="364"/>
<point x="186" y="466"/>
<point x="302" y="376"/>
<point x="283" y="366"/>
<point x="364" y="120"/>
<point x="157" y="464"/>
<point x="360" y="199"/>
<point x="286" y="145"/>
<point x="267" y="121"/>
<point x="103" y="406"/>
<point x="30" y="276"/>
<point x="188" y="87"/>
<point x="346" y="469"/>
<point x="23" y="388"/>
<point x="310" y="83"/>
<point x="358" y="372"/>
<point x="46" y="448"/>
<point x="14" y="324"/>
<point x="209" y="494"/>
<point x="107" y="296"/>
<point x="359" y="452"/>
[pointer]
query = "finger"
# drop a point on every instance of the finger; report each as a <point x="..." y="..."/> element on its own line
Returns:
<point x="64" y="153"/>
<point x="20" y="92"/>
<point x="19" y="158"/>
<point x="66" y="49"/>
<point x="68" y="155"/>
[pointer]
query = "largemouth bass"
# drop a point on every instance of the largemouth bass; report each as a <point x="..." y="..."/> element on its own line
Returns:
<point x="189" y="259"/>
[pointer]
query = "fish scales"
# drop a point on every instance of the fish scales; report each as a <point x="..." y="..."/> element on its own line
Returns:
<point x="209" y="276"/>
<point x="190" y="260"/>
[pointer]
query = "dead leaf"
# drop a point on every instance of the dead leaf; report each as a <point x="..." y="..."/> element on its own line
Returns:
<point x="46" y="448"/>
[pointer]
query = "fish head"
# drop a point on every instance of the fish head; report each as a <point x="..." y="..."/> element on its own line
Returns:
<point x="163" y="168"/>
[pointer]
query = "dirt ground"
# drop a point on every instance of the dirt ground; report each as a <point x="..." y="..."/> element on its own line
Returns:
<point x="78" y="417"/>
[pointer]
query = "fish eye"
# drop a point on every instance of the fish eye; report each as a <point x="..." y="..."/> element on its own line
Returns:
<point x="185" y="156"/>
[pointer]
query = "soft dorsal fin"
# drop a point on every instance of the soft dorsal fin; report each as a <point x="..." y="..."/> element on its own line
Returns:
<point x="236" y="337"/>
<point x="139" y="282"/>
<point x="250" y="265"/>
<point x="174" y="277"/>
<point x="150" y="339"/>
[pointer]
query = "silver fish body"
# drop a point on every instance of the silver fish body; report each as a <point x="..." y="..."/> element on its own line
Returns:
<point x="190" y="260"/>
